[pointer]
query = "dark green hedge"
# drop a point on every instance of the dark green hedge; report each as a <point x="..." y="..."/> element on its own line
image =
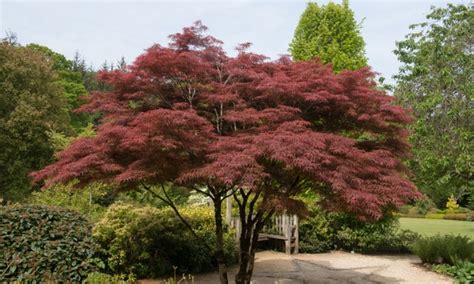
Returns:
<point x="41" y="243"/>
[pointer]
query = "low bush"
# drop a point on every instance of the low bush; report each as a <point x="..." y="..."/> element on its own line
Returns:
<point x="452" y="204"/>
<point x="316" y="233"/>
<point x="462" y="271"/>
<point x="463" y="210"/>
<point x="148" y="242"/>
<point x="89" y="201"/>
<point x="381" y="237"/>
<point x="434" y="216"/>
<point x="419" y="208"/>
<point x="404" y="209"/>
<point x="444" y="249"/>
<point x="102" y="278"/>
<point x="324" y="231"/>
<point x="443" y="214"/>
<point x="435" y="210"/>
<point x="424" y="206"/>
<point x="40" y="244"/>
<point x="458" y="216"/>
<point x="365" y="241"/>
<point x="426" y="209"/>
<point x="410" y="212"/>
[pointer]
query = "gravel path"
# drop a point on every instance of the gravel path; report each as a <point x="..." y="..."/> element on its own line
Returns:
<point x="335" y="267"/>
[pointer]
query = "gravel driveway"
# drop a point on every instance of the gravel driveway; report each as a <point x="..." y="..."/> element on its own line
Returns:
<point x="335" y="267"/>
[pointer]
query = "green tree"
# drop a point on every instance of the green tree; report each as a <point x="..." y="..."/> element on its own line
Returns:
<point x="89" y="74"/>
<point x="331" y="33"/>
<point x="31" y="104"/>
<point x="71" y="82"/>
<point x="436" y="81"/>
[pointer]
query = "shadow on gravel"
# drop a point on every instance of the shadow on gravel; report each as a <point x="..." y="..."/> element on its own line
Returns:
<point x="304" y="272"/>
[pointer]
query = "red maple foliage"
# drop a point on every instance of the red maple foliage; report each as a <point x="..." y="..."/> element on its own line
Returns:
<point x="244" y="126"/>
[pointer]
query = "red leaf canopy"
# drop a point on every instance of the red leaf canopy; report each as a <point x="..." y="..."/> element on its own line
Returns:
<point x="190" y="114"/>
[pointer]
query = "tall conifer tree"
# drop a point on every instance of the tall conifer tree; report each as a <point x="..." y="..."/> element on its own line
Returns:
<point x="330" y="33"/>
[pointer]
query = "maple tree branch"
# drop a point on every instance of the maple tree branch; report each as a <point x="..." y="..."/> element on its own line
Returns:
<point x="218" y="122"/>
<point x="269" y="215"/>
<point x="239" y="203"/>
<point x="295" y="183"/>
<point x="170" y="203"/>
<point x="213" y="192"/>
<point x="242" y="207"/>
<point x="201" y="191"/>
<point x="251" y="206"/>
<point x="227" y="79"/>
<point x="232" y="192"/>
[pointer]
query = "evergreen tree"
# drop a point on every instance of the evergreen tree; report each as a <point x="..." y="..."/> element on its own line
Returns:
<point x="78" y="63"/>
<point x="122" y="64"/>
<point x="330" y="33"/>
<point x="104" y="66"/>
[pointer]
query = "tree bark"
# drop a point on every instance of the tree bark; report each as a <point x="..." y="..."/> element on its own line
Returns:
<point x="248" y="246"/>
<point x="220" y="257"/>
<point x="241" y="276"/>
<point x="253" y="248"/>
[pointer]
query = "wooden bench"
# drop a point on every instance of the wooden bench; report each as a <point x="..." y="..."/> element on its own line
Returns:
<point x="282" y="227"/>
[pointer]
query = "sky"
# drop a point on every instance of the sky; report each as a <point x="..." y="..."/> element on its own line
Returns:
<point x="107" y="30"/>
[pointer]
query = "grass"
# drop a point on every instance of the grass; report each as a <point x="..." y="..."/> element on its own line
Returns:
<point x="431" y="227"/>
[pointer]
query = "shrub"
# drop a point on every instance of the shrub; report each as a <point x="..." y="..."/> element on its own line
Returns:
<point x="435" y="216"/>
<point x="444" y="249"/>
<point x="404" y="209"/>
<point x="452" y="204"/>
<point x="463" y="271"/>
<point x="315" y="233"/>
<point x="443" y="268"/>
<point x="101" y="278"/>
<point x="463" y="210"/>
<point x="148" y="242"/>
<point x="412" y="212"/>
<point x="435" y="210"/>
<point x="383" y="237"/>
<point x="424" y="206"/>
<point x="39" y="243"/>
<point x="324" y="231"/>
<point x="458" y="216"/>
<point x="420" y="208"/>
<point x="89" y="201"/>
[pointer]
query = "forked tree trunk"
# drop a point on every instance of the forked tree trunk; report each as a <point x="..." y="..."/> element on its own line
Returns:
<point x="220" y="257"/>
<point x="248" y="246"/>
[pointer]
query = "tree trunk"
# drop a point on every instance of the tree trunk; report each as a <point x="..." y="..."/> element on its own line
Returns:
<point x="248" y="246"/>
<point x="253" y="248"/>
<point x="220" y="257"/>
<point x="241" y="276"/>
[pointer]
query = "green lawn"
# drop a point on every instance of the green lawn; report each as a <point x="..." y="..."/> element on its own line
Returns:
<point x="434" y="226"/>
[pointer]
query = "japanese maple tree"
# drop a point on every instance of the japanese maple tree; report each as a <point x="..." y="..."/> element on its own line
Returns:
<point x="245" y="127"/>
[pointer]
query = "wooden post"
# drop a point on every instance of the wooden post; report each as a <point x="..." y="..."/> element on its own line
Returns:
<point x="287" y="233"/>
<point x="238" y="228"/>
<point x="297" y="234"/>
<point x="228" y="210"/>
